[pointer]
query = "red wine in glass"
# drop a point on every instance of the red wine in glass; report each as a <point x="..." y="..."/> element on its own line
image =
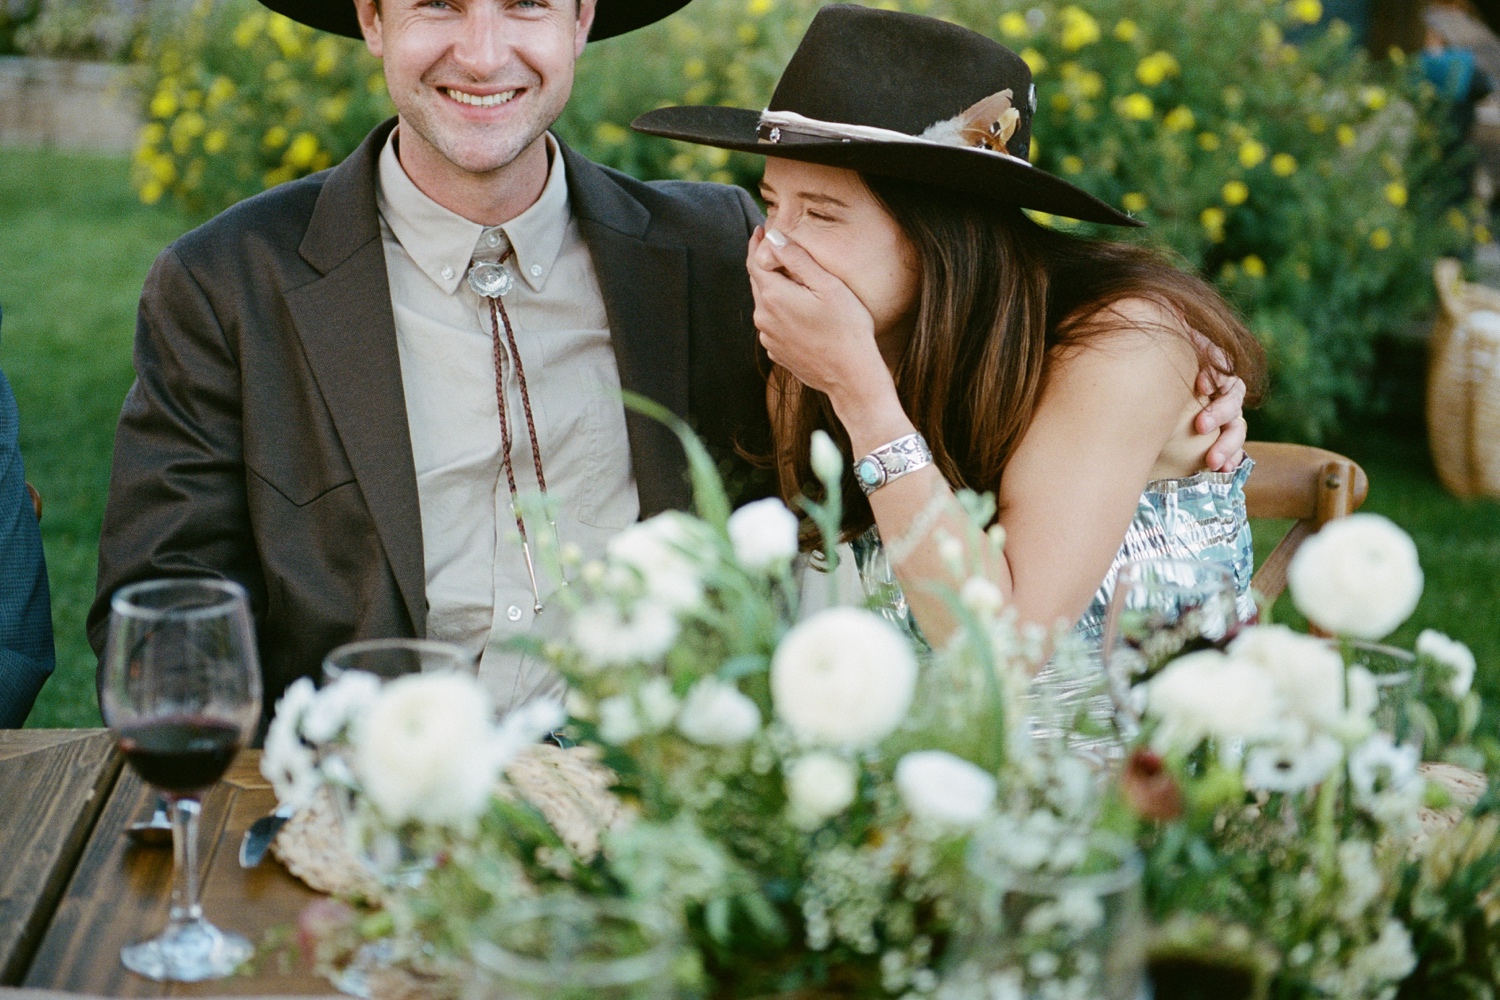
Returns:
<point x="181" y="690"/>
<point x="181" y="755"/>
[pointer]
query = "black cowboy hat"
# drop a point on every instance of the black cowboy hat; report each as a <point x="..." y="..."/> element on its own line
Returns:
<point x="612" y="17"/>
<point x="903" y="96"/>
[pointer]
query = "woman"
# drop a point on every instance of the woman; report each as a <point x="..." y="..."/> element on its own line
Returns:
<point x="912" y="310"/>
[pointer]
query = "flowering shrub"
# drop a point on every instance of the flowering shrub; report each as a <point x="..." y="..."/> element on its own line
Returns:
<point x="1304" y="180"/>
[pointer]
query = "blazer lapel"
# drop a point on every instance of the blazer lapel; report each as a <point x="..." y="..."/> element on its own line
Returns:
<point x="349" y="332"/>
<point x="645" y="289"/>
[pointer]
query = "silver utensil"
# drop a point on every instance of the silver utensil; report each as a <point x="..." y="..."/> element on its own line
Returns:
<point x="155" y="832"/>
<point x="258" y="838"/>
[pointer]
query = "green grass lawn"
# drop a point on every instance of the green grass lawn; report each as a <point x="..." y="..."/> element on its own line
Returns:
<point x="76" y="247"/>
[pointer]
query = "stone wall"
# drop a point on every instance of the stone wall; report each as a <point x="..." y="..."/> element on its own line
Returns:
<point x="67" y="105"/>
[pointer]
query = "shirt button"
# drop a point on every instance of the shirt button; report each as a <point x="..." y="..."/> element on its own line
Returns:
<point x="493" y="239"/>
<point x="513" y="613"/>
<point x="536" y="270"/>
<point x="447" y="274"/>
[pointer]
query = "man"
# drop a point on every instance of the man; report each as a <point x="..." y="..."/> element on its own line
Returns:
<point x="323" y="399"/>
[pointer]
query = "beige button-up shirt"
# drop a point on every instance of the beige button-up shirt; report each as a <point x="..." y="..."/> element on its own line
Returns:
<point x="478" y="591"/>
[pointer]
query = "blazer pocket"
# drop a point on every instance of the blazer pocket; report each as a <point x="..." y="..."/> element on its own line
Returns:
<point x="302" y="489"/>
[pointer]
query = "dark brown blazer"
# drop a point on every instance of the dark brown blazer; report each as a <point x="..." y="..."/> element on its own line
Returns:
<point x="265" y="437"/>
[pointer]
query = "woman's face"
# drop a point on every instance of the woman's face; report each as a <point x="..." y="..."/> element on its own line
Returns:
<point x="830" y="213"/>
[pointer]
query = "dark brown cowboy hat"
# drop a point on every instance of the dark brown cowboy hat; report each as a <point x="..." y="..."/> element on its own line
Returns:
<point x="613" y="17"/>
<point x="903" y="96"/>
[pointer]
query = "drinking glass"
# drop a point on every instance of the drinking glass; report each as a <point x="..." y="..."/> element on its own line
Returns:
<point x="181" y="690"/>
<point x="391" y="658"/>
<point x="1162" y="609"/>
<point x="566" y="948"/>
<point x="1040" y="934"/>
<point x="1395" y="674"/>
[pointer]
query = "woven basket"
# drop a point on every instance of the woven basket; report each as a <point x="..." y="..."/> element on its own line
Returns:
<point x="1463" y="385"/>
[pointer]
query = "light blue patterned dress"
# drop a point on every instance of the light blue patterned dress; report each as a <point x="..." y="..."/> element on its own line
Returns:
<point x="1201" y="517"/>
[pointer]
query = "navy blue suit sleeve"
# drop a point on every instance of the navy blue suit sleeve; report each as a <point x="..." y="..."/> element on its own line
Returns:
<point x="26" y="650"/>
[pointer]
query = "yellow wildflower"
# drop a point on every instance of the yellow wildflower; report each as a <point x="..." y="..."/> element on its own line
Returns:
<point x="1317" y="124"/>
<point x="759" y="8"/>
<point x="1079" y="29"/>
<point x="1457" y="220"/>
<point x="699" y="92"/>
<point x="1035" y="60"/>
<point x="164" y="104"/>
<point x="1134" y="201"/>
<point x="193" y="99"/>
<point x="1061" y="102"/>
<point x="1373" y="98"/>
<point x="1233" y="97"/>
<point x="715" y="157"/>
<point x="1236" y="193"/>
<point x="1089" y="84"/>
<point x="1346" y="135"/>
<point x="747" y="34"/>
<point x="680" y="164"/>
<point x="1085" y="111"/>
<point x="1156" y="67"/>
<point x="1482" y="233"/>
<point x="280" y="175"/>
<point x="1136" y="107"/>
<point x="1179" y="119"/>
<point x="1229" y="272"/>
<point x="1208" y="141"/>
<point x="302" y="151"/>
<point x="276" y="70"/>
<point x="1213" y="219"/>
<point x="153" y="133"/>
<point x="376" y="83"/>
<point x="1253" y="266"/>
<point x="151" y="192"/>
<point x="1303" y="271"/>
<point x="221" y="90"/>
<point x="1251" y="154"/>
<point x="249" y="29"/>
<point x="325" y="56"/>
<point x="164" y="169"/>
<point x="611" y="134"/>
<point x="1283" y="164"/>
<point x="694" y="68"/>
<point x="721" y="177"/>
<point x="1380" y="239"/>
<point x="1396" y="55"/>
<point x="275" y="137"/>
<point x="1395" y="193"/>
<point x="1127" y="30"/>
<point x="215" y="142"/>
<point x="1306" y="11"/>
<point x="1072" y="164"/>
<point x="286" y="34"/>
<point x="1013" y="25"/>
<point x="335" y="108"/>
<point x="1288" y="55"/>
<point x="1270" y="35"/>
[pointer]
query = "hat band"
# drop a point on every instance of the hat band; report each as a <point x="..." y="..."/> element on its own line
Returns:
<point x="788" y="127"/>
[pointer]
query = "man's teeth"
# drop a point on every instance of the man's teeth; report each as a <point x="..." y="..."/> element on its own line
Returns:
<point x="487" y="101"/>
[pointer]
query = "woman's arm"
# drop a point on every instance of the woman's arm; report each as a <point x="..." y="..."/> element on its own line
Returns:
<point x="1110" y="407"/>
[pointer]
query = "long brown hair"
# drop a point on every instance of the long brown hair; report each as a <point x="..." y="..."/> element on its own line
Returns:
<point x="997" y="291"/>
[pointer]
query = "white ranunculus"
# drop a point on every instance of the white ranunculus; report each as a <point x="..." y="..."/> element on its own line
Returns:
<point x="1208" y="694"/>
<point x="1279" y="769"/>
<point x="938" y="787"/>
<point x="338" y="704"/>
<point x="819" y="786"/>
<point x="715" y="713"/>
<point x="843" y="677"/>
<point x="1378" y="765"/>
<point x="658" y="704"/>
<point x="288" y="763"/>
<point x="764" y="534"/>
<point x="607" y="637"/>
<point x="426" y="749"/>
<point x="1357" y="577"/>
<point x="1308" y="673"/>
<point x="1452" y="654"/>
<point x="664" y="552"/>
<point x="618" y="721"/>
<point x="827" y="460"/>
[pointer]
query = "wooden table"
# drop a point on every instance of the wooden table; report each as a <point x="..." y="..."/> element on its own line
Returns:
<point x="53" y="784"/>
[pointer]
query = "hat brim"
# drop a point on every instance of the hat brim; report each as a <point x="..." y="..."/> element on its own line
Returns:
<point x="959" y="168"/>
<point x="611" y="17"/>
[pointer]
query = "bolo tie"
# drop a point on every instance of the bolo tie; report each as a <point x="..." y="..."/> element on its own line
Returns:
<point x="491" y="280"/>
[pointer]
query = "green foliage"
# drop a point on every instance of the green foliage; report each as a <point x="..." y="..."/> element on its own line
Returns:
<point x="81" y="29"/>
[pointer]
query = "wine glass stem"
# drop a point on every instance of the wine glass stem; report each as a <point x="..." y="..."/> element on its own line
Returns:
<point x="185" y="906"/>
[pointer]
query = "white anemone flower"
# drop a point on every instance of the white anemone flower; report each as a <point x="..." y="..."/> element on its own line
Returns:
<point x="819" y="786"/>
<point x="608" y="637"/>
<point x="843" y="677"/>
<point x="1210" y="695"/>
<point x="1358" y="577"/>
<point x="827" y="459"/>
<point x="665" y="552"/>
<point x="1281" y="769"/>
<point x="1308" y="673"/>
<point x="764" y="535"/>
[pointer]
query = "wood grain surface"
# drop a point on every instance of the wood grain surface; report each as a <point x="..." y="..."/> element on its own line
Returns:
<point x="53" y="783"/>
<point x="119" y="894"/>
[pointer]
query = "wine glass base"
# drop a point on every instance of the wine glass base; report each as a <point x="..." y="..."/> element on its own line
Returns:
<point x="188" y="952"/>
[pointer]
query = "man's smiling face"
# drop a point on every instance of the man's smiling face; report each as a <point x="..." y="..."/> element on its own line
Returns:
<point x="476" y="81"/>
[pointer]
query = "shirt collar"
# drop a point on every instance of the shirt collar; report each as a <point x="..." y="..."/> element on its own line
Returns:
<point x="441" y="242"/>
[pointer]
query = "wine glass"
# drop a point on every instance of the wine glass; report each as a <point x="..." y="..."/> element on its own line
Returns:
<point x="1162" y="609"/>
<point x="391" y="658"/>
<point x="181" y="690"/>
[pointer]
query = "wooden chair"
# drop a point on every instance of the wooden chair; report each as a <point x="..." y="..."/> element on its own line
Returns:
<point x="1310" y="485"/>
